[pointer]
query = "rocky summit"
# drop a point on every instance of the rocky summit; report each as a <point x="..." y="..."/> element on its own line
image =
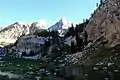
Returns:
<point x="11" y="33"/>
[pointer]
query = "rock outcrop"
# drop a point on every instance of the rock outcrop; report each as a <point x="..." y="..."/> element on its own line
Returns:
<point x="31" y="42"/>
<point x="105" y="22"/>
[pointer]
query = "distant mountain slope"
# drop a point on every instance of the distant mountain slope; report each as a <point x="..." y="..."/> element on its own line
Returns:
<point x="35" y="26"/>
<point x="62" y="24"/>
<point x="11" y="33"/>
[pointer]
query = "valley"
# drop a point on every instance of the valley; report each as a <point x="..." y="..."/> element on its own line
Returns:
<point x="65" y="51"/>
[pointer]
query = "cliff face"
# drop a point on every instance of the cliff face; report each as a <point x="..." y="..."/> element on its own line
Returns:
<point x="27" y="43"/>
<point x="105" y="21"/>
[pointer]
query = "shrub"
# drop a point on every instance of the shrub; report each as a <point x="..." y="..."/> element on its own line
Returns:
<point x="32" y="53"/>
<point x="23" y="53"/>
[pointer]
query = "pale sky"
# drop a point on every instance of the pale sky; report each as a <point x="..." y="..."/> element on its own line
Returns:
<point x="49" y="11"/>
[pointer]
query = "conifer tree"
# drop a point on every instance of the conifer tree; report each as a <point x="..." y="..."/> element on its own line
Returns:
<point x="79" y="42"/>
<point x="72" y="30"/>
<point x="97" y="4"/>
<point x="85" y="37"/>
<point x="101" y="2"/>
<point x="72" y="47"/>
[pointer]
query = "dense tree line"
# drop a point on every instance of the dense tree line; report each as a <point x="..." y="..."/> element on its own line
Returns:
<point x="44" y="33"/>
<point x="47" y="33"/>
<point x="76" y="32"/>
<point x="78" y="29"/>
<point x="54" y="34"/>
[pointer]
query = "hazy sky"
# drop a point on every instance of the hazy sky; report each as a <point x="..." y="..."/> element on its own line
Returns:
<point x="50" y="10"/>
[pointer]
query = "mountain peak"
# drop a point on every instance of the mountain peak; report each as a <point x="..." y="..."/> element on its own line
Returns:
<point x="21" y="23"/>
<point x="63" y="20"/>
<point x="61" y="24"/>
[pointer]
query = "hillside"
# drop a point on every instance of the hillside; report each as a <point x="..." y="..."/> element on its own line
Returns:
<point x="102" y="36"/>
<point x="105" y="22"/>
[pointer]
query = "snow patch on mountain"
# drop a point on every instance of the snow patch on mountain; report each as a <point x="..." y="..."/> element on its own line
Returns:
<point x="62" y="24"/>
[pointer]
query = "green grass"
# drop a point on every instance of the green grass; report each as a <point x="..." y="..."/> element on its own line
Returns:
<point x="23" y="68"/>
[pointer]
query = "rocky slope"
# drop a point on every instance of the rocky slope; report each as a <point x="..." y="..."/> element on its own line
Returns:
<point x="103" y="29"/>
<point x="12" y="32"/>
<point x="105" y="22"/>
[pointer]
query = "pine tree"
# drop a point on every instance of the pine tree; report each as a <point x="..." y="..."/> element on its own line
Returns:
<point x="79" y="42"/>
<point x="87" y="21"/>
<point x="83" y="20"/>
<point x="85" y="37"/>
<point x="97" y="4"/>
<point x="101" y="2"/>
<point x="72" y="30"/>
<point x="72" y="47"/>
<point x="32" y="53"/>
<point x="45" y="48"/>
